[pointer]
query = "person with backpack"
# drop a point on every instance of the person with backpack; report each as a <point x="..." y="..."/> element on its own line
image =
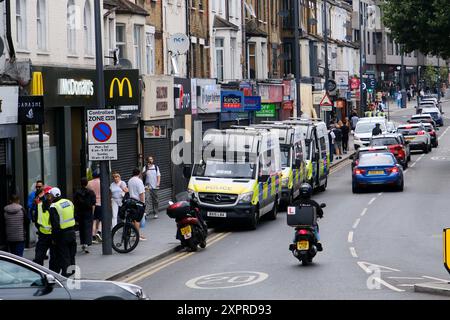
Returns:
<point x="84" y="202"/>
<point x="152" y="179"/>
<point x="338" y="140"/>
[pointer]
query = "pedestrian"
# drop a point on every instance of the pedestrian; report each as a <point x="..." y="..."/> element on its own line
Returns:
<point x="94" y="185"/>
<point x="409" y="95"/>
<point x="62" y="219"/>
<point x="15" y="221"/>
<point x="338" y="140"/>
<point x="331" y="138"/>
<point x="31" y="205"/>
<point x="118" y="189"/>
<point x="345" y="134"/>
<point x="354" y="120"/>
<point x="84" y="202"/>
<point x="152" y="180"/>
<point x="136" y="190"/>
<point x="377" y="130"/>
<point x="44" y="243"/>
<point x="399" y="99"/>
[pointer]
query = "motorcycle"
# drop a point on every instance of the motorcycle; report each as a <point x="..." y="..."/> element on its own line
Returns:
<point x="191" y="228"/>
<point x="304" y="247"/>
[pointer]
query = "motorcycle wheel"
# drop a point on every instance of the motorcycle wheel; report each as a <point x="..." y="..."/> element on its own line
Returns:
<point x="305" y="261"/>
<point x="203" y="244"/>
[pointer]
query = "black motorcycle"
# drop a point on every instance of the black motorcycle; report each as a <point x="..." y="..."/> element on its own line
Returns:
<point x="191" y="228"/>
<point x="304" y="247"/>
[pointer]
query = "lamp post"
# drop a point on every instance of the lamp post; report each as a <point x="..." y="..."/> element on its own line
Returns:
<point x="104" y="165"/>
<point x="402" y="76"/>
<point x="298" y="70"/>
<point x="361" y="58"/>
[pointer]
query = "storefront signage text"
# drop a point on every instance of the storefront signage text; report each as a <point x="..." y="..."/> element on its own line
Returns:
<point x="268" y="110"/>
<point x="232" y="101"/>
<point x="252" y="103"/>
<point x="71" y="87"/>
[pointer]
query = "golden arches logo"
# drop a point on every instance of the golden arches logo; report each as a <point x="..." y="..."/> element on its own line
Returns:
<point x="120" y="84"/>
<point x="38" y="84"/>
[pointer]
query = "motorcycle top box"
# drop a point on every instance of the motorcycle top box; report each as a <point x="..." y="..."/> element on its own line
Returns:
<point x="179" y="210"/>
<point x="301" y="216"/>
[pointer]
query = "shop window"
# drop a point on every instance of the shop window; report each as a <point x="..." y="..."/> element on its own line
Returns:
<point x="50" y="151"/>
<point x="33" y="156"/>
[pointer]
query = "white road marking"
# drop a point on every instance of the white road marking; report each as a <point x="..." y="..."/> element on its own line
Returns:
<point x="363" y="212"/>
<point x="432" y="278"/>
<point x="411" y="278"/>
<point x="406" y="171"/>
<point x="405" y="285"/>
<point x="353" y="252"/>
<point x="355" y="225"/>
<point x="413" y="165"/>
<point x="420" y="158"/>
<point x="378" y="279"/>
<point x="372" y="200"/>
<point x="350" y="237"/>
<point x="365" y="266"/>
<point x="380" y="194"/>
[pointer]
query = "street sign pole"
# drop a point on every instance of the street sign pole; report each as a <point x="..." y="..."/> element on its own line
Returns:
<point x="298" y="69"/>
<point x="104" y="165"/>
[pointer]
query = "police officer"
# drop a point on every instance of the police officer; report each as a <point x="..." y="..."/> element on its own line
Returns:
<point x="305" y="201"/>
<point x="42" y="222"/>
<point x="62" y="219"/>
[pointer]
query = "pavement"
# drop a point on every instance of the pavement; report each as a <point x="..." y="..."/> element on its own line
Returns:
<point x="160" y="243"/>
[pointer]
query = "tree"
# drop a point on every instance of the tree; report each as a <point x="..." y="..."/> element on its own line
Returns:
<point x="430" y="76"/>
<point x="422" y="25"/>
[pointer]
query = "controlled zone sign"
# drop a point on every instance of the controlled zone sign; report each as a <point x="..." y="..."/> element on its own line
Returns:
<point x="102" y="134"/>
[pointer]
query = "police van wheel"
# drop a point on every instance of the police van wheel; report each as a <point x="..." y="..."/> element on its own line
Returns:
<point x="273" y="213"/>
<point x="253" y="223"/>
<point x="324" y="187"/>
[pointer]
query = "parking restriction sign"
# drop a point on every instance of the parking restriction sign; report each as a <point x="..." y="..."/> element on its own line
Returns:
<point x="102" y="134"/>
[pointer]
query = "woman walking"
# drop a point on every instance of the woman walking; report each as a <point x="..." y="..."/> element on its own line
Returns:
<point x="118" y="189"/>
<point x="338" y="140"/>
<point x="345" y="134"/>
<point x="15" y="221"/>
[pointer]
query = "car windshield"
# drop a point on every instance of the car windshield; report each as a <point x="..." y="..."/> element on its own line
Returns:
<point x="285" y="151"/>
<point x="409" y="130"/>
<point x="384" y="141"/>
<point x="230" y="170"/>
<point x="376" y="159"/>
<point x="367" y="127"/>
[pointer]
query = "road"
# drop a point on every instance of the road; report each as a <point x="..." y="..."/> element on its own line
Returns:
<point x="376" y="245"/>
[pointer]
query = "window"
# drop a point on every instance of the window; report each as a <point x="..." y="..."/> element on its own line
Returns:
<point x="21" y="24"/>
<point x="41" y="21"/>
<point x="287" y="52"/>
<point x="87" y="27"/>
<point x="112" y="33"/>
<point x="231" y="5"/>
<point x="368" y="43"/>
<point x="71" y="35"/>
<point x="150" y="52"/>
<point x="120" y="40"/>
<point x="214" y="5"/>
<point x="219" y="59"/>
<point x="200" y="4"/>
<point x="252" y="60"/>
<point x="233" y="57"/>
<point x="13" y="275"/>
<point x="390" y="45"/>
<point x="202" y="58"/>
<point x="274" y="59"/>
<point x="137" y="47"/>
<point x="374" y="43"/>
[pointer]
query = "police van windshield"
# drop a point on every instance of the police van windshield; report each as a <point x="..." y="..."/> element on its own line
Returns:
<point x="285" y="152"/>
<point x="228" y="170"/>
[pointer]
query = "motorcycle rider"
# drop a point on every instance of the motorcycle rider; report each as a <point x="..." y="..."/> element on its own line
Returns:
<point x="305" y="201"/>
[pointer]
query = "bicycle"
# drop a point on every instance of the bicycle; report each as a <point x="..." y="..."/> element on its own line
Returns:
<point x="125" y="236"/>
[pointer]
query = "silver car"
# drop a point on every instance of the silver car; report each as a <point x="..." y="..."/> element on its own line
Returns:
<point x="417" y="135"/>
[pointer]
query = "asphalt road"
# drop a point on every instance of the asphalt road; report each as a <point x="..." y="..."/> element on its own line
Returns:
<point x="376" y="245"/>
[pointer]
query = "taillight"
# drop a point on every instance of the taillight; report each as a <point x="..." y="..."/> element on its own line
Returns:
<point x="360" y="171"/>
<point x="421" y="133"/>
<point x="392" y="170"/>
<point x="302" y="232"/>
<point x="433" y="133"/>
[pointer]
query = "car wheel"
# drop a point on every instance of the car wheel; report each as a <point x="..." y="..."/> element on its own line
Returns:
<point x="355" y="188"/>
<point x="405" y="165"/>
<point x="324" y="187"/>
<point x="425" y="150"/>
<point x="409" y="158"/>
<point x="253" y="223"/>
<point x="401" y="186"/>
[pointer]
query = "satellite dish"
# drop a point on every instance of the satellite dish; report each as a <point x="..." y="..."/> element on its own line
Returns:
<point x="126" y="63"/>
<point x="178" y="43"/>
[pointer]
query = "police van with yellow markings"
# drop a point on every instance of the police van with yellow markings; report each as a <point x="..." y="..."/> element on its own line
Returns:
<point x="317" y="151"/>
<point x="238" y="177"/>
<point x="292" y="147"/>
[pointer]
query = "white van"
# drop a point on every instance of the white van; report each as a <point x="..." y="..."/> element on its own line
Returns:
<point x="363" y="130"/>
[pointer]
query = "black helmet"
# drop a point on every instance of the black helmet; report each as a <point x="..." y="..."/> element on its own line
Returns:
<point x="306" y="190"/>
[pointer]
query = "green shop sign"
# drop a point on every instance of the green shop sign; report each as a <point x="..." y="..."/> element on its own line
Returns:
<point x="267" y="111"/>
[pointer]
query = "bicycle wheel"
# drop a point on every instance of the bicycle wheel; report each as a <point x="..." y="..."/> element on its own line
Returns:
<point x="125" y="237"/>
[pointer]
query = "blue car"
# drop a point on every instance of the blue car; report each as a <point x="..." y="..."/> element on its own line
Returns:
<point x="435" y="114"/>
<point x="377" y="169"/>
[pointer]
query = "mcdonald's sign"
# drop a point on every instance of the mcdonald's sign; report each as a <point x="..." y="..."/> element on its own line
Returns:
<point x="37" y="84"/>
<point x="122" y="87"/>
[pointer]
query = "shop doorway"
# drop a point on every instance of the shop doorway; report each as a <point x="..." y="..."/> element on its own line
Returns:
<point x="79" y="151"/>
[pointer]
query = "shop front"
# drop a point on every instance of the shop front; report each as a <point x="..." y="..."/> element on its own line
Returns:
<point x="271" y="102"/>
<point x="156" y="129"/>
<point x="289" y="100"/>
<point x="8" y="142"/>
<point x="206" y="103"/>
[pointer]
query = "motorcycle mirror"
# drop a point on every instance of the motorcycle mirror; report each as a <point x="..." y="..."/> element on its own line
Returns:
<point x="323" y="205"/>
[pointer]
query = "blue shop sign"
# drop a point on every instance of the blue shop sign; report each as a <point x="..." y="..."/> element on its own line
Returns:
<point x="232" y="101"/>
<point x="252" y="103"/>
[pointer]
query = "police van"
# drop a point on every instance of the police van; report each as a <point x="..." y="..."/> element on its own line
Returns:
<point x="292" y="147"/>
<point x="238" y="176"/>
<point x="317" y="151"/>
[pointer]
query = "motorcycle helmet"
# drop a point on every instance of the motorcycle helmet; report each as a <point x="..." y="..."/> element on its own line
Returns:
<point x="179" y="210"/>
<point x="306" y="191"/>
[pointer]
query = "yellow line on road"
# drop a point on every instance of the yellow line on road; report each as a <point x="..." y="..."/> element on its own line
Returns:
<point x="180" y="256"/>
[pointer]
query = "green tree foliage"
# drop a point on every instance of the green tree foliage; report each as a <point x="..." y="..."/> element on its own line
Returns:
<point x="430" y="76"/>
<point x="422" y="25"/>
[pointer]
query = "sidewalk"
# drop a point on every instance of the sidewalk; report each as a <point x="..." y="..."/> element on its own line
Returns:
<point x="160" y="243"/>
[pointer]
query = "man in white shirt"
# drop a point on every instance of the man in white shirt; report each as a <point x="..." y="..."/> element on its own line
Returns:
<point x="136" y="189"/>
<point x="152" y="178"/>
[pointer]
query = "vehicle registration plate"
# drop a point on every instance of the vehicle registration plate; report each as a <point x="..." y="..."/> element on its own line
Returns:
<point x="409" y="138"/>
<point x="186" y="230"/>
<point x="303" y="245"/>
<point x="217" y="214"/>
<point x="376" y="172"/>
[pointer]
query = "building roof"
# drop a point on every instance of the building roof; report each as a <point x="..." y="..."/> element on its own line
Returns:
<point x="220" y="23"/>
<point x="125" y="6"/>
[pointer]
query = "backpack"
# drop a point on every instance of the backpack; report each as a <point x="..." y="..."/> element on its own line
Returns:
<point x="84" y="199"/>
<point x="144" y="175"/>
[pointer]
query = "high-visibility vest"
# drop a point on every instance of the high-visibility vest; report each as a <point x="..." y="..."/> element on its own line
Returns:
<point x="368" y="113"/>
<point x="66" y="213"/>
<point x="43" y="220"/>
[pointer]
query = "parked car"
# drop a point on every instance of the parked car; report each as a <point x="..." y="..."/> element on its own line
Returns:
<point x="397" y="145"/>
<point x="418" y="137"/>
<point x="435" y="114"/>
<point x="365" y="150"/>
<point x="433" y="134"/>
<point x="21" y="279"/>
<point x="422" y="118"/>
<point x="380" y="168"/>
